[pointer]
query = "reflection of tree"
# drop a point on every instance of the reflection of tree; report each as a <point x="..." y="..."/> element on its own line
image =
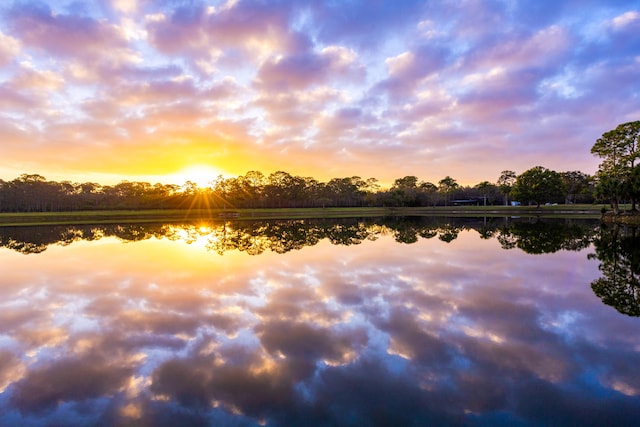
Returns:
<point x="281" y="236"/>
<point x="409" y="229"/>
<point x="30" y="240"/>
<point x="449" y="233"/>
<point x="541" y="237"/>
<point x="618" y="250"/>
<point x="33" y="240"/>
<point x="354" y="234"/>
<point x="284" y="236"/>
<point x="25" y="247"/>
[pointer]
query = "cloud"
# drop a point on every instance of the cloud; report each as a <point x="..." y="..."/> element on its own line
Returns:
<point x="326" y="89"/>
<point x="73" y="379"/>
<point x="256" y="29"/>
<point x="623" y="21"/>
<point x="300" y="71"/>
<point x="409" y="68"/>
<point x="68" y="36"/>
<point x="125" y="6"/>
<point x="11" y="369"/>
<point x="12" y="99"/>
<point x="304" y="341"/>
<point x="29" y="79"/>
<point x="177" y="32"/>
<point x="9" y="49"/>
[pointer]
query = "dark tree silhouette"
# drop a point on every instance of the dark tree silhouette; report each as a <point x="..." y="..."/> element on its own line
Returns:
<point x="618" y="250"/>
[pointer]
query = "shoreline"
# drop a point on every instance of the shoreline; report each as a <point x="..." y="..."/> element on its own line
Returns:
<point x="623" y="218"/>
<point x="172" y="215"/>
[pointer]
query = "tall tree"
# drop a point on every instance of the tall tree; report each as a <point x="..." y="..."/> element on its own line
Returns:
<point x="446" y="186"/>
<point x="405" y="190"/>
<point x="537" y="185"/>
<point x="429" y="191"/>
<point x="505" y="183"/>
<point x="575" y="182"/>
<point x="620" y="151"/>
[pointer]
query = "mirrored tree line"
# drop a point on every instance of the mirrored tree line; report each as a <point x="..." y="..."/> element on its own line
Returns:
<point x="281" y="236"/>
<point x="617" y="248"/>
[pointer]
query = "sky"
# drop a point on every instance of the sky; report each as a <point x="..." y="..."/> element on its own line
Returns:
<point x="164" y="91"/>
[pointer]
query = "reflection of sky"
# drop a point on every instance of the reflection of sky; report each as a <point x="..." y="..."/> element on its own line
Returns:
<point x="159" y="332"/>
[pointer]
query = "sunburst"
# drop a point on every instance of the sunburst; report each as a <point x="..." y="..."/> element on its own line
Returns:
<point x="201" y="175"/>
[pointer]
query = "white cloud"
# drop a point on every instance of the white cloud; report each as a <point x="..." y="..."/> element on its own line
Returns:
<point x="625" y="19"/>
<point x="126" y="6"/>
<point x="9" y="49"/>
<point x="398" y="64"/>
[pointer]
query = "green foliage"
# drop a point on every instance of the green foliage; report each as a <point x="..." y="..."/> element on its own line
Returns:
<point x="577" y="186"/>
<point x="620" y="152"/>
<point x="538" y="185"/>
<point x="505" y="183"/>
<point x="446" y="186"/>
<point x="633" y="183"/>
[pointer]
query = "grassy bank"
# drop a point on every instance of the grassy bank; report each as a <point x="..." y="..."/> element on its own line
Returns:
<point x="140" y="216"/>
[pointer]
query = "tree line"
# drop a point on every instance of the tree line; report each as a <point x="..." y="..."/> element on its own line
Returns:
<point x="617" y="180"/>
<point x="34" y="193"/>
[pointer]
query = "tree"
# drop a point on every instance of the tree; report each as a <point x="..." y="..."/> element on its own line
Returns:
<point x="405" y="190"/>
<point x="609" y="187"/>
<point x="429" y="190"/>
<point x="505" y="183"/>
<point x="485" y="187"/>
<point x="371" y="188"/>
<point x="253" y="185"/>
<point x="633" y="185"/>
<point x="446" y="186"/>
<point x="620" y="151"/>
<point x="537" y="185"/>
<point x="277" y="189"/>
<point x="574" y="182"/>
<point x="349" y="191"/>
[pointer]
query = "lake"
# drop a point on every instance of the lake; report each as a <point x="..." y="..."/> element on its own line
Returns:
<point x="354" y="322"/>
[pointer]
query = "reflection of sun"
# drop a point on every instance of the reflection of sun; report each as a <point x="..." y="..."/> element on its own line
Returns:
<point x="201" y="175"/>
<point x="199" y="236"/>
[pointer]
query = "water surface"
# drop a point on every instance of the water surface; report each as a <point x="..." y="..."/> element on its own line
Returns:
<point x="351" y="322"/>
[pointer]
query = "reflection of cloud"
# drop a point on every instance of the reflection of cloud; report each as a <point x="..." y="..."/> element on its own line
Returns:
<point x="305" y="342"/>
<point x="162" y="332"/>
<point x="409" y="339"/>
<point x="11" y="369"/>
<point x="44" y="387"/>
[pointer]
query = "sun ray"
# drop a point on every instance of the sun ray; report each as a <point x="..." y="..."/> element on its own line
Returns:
<point x="201" y="175"/>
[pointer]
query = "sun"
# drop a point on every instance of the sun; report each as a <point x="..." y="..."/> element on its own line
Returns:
<point x="201" y="175"/>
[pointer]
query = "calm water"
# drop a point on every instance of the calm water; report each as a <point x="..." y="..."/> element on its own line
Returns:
<point x="357" y="323"/>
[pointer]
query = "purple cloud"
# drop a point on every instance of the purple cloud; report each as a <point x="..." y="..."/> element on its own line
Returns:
<point x="432" y="82"/>
<point x="69" y="36"/>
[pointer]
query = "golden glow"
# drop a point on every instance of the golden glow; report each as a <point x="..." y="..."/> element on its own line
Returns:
<point x="201" y="175"/>
<point x="131" y="411"/>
